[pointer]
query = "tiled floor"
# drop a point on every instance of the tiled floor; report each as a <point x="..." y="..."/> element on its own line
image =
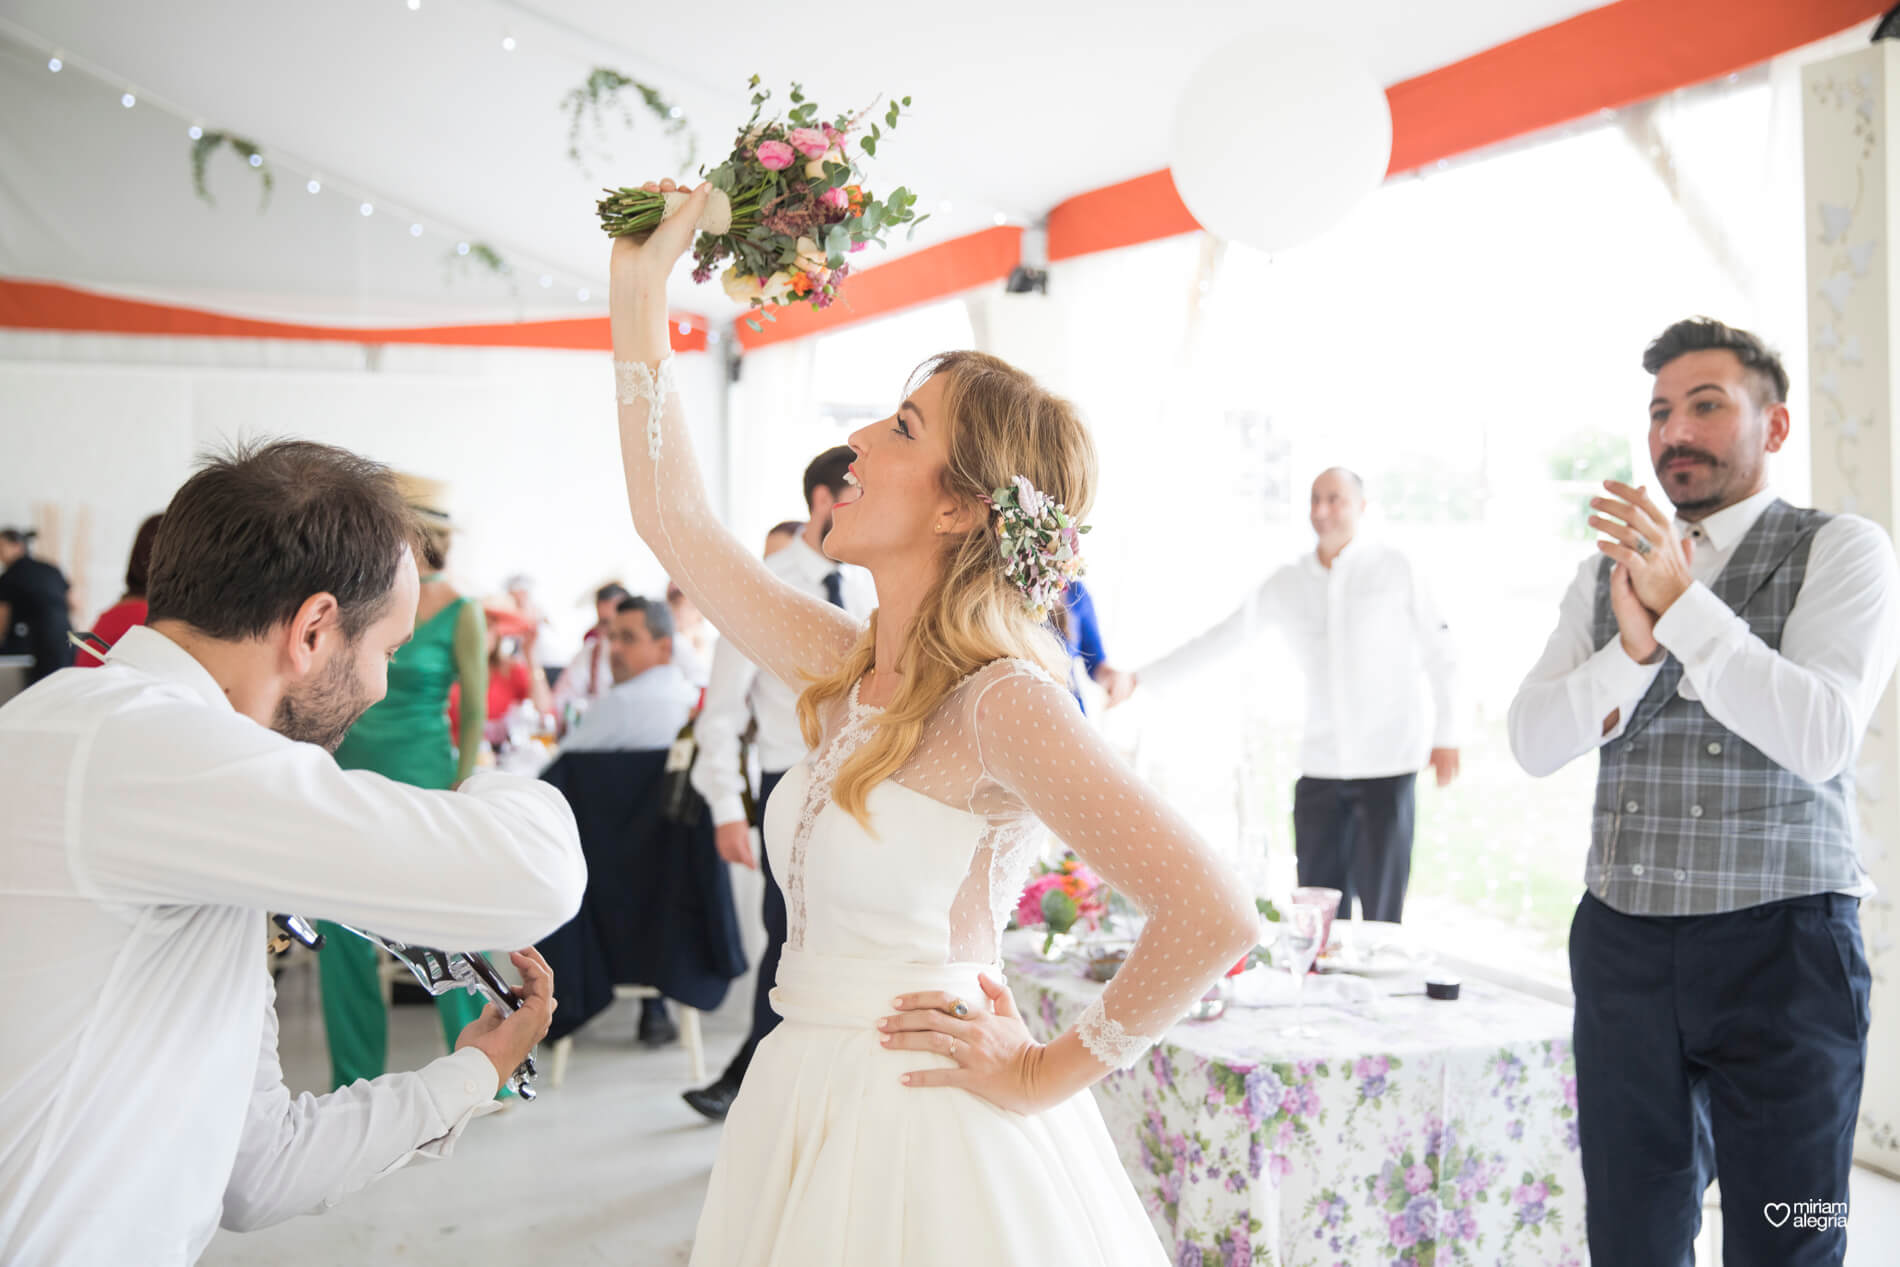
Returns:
<point x="610" y="1169"/>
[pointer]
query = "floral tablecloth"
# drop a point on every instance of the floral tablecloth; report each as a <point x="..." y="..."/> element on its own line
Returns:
<point x="1424" y="1134"/>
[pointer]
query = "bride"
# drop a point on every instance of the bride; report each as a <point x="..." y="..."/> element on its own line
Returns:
<point x="902" y="1113"/>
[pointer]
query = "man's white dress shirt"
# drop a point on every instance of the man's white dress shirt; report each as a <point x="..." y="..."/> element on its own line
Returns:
<point x="1368" y="638"/>
<point x="644" y="712"/>
<point x="146" y="828"/>
<point x="1805" y="707"/>
<point x="739" y="692"/>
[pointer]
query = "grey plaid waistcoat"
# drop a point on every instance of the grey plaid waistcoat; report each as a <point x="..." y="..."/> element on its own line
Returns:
<point x="1692" y="819"/>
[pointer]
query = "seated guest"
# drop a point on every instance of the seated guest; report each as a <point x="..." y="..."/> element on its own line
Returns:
<point x="161" y="806"/>
<point x="586" y="678"/>
<point x="650" y="703"/>
<point x="693" y="638"/>
<point x="33" y="616"/>
<point x="130" y="609"/>
<point x="651" y="700"/>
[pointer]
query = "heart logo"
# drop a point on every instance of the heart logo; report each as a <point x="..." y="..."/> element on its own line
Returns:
<point x="1776" y="1212"/>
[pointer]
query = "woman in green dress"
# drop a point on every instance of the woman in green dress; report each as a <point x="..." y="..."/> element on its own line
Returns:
<point x="406" y="737"/>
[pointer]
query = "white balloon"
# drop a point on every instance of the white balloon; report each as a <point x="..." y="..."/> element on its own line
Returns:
<point x="1278" y="137"/>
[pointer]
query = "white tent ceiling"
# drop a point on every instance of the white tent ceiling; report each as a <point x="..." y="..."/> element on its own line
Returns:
<point x="424" y="114"/>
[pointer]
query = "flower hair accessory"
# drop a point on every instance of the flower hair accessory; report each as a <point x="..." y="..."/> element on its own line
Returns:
<point x="1041" y="544"/>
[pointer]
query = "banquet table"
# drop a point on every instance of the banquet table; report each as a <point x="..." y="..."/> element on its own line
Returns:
<point x="1406" y="1130"/>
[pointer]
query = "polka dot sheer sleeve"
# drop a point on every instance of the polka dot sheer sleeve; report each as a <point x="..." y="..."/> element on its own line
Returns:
<point x="1036" y="745"/>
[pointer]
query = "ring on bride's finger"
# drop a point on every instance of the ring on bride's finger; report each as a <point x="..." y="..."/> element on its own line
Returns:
<point x="952" y="1053"/>
<point x="1643" y="547"/>
<point x="959" y="1009"/>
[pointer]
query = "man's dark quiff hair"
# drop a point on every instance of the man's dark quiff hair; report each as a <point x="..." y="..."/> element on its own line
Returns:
<point x="262" y="527"/>
<point x="1705" y="334"/>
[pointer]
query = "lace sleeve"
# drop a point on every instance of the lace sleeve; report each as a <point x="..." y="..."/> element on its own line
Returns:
<point x="779" y="629"/>
<point x="1036" y="745"/>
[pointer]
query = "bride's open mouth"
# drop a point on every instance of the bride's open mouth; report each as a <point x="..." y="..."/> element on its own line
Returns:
<point x="853" y="492"/>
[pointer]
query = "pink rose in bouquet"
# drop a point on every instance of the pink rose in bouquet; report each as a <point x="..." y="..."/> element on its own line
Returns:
<point x="776" y="156"/>
<point x="810" y="142"/>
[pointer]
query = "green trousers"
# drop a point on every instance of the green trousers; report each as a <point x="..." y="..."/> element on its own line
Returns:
<point x="353" y="1012"/>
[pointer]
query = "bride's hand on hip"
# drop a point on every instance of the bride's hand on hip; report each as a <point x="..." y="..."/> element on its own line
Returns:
<point x="995" y="1056"/>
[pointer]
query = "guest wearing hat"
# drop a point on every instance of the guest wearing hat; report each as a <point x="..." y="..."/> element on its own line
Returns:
<point x="406" y="737"/>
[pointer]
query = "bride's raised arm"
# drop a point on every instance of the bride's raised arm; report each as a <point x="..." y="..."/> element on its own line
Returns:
<point x="784" y="632"/>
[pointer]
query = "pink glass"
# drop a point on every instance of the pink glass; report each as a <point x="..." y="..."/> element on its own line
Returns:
<point x="1327" y="900"/>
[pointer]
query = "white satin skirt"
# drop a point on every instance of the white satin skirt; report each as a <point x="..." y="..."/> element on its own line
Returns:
<point x="827" y="1160"/>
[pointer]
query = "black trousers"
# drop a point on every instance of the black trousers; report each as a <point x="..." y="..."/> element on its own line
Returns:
<point x="764" y="1019"/>
<point x="1355" y="835"/>
<point x="1723" y="1046"/>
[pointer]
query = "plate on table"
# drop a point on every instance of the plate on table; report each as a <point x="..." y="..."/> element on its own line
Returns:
<point x="1372" y="949"/>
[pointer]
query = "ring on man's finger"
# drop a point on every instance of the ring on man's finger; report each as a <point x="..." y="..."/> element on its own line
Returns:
<point x="960" y="1009"/>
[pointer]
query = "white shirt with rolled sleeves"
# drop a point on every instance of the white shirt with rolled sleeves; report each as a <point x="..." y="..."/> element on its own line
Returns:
<point x="738" y="691"/>
<point x="1369" y="640"/>
<point x="146" y="828"/>
<point x="1805" y="706"/>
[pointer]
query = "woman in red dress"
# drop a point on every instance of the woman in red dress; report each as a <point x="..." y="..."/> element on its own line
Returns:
<point x="129" y="610"/>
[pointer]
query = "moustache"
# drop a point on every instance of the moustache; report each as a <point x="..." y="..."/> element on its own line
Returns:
<point x="1680" y="451"/>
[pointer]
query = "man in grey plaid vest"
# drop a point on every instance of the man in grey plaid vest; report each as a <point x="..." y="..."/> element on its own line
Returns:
<point x="1723" y="662"/>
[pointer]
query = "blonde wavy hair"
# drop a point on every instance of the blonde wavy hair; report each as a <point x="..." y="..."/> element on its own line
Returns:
<point x="1001" y="424"/>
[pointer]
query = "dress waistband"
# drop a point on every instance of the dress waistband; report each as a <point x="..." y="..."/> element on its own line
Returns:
<point x="857" y="993"/>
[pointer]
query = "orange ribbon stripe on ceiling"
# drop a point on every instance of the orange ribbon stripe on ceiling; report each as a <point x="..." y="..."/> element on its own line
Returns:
<point x="1610" y="57"/>
<point x="47" y="306"/>
<point x="1607" y="58"/>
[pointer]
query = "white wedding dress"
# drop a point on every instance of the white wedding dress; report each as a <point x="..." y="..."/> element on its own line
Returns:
<point x="826" y="1158"/>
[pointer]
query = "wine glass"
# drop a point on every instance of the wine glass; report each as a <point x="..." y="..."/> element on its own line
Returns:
<point x="1300" y="927"/>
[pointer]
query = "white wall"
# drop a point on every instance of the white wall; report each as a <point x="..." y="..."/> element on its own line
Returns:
<point x="109" y="426"/>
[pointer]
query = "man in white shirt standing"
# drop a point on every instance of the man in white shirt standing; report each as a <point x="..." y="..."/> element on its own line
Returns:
<point x="738" y="694"/>
<point x="651" y="700"/>
<point x="1369" y="639"/>
<point x="159" y="806"/>
<point x="1723" y="663"/>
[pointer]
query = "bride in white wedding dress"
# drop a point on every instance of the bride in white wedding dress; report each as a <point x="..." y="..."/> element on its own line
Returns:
<point x="902" y="1114"/>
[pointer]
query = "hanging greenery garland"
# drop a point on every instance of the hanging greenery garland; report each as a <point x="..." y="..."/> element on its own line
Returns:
<point x="202" y="149"/>
<point x="484" y="255"/>
<point x="601" y="92"/>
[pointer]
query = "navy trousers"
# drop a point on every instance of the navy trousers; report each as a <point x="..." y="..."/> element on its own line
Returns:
<point x="764" y="1019"/>
<point x="1355" y="835"/>
<point x="1725" y="1046"/>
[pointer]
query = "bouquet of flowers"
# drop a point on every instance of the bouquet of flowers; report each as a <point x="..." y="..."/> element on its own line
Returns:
<point x="1062" y="896"/>
<point x="788" y="205"/>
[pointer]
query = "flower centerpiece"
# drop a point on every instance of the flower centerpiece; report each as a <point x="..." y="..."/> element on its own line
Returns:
<point x="788" y="204"/>
<point x="1061" y="896"/>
